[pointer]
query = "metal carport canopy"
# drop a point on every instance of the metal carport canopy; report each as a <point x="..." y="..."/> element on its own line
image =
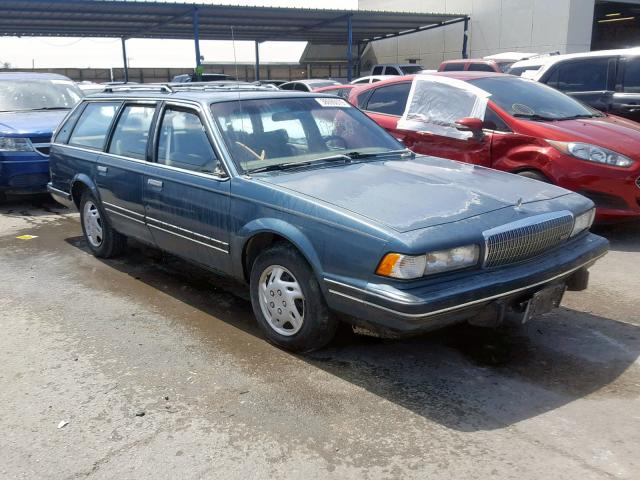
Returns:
<point x="187" y="20"/>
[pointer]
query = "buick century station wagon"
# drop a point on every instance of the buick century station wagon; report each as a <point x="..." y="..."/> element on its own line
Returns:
<point x="326" y="216"/>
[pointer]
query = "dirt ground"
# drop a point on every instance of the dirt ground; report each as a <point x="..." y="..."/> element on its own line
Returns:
<point x="161" y="372"/>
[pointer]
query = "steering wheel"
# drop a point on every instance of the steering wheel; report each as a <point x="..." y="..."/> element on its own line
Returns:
<point x="335" y="142"/>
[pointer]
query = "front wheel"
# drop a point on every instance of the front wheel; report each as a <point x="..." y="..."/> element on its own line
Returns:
<point x="288" y="303"/>
<point x="102" y="239"/>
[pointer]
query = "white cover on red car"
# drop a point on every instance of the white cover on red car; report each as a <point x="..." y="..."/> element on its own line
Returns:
<point x="435" y="103"/>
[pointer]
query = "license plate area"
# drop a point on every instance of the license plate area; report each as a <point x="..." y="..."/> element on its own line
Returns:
<point x="544" y="301"/>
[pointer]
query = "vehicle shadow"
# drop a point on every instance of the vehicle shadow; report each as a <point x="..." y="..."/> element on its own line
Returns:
<point x="624" y="237"/>
<point x="36" y="205"/>
<point x="465" y="378"/>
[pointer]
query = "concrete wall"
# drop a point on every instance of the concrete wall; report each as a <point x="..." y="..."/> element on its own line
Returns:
<point x="496" y="26"/>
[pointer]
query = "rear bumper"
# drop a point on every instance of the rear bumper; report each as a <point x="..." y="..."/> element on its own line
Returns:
<point x="24" y="173"/>
<point x="383" y="307"/>
<point x="60" y="196"/>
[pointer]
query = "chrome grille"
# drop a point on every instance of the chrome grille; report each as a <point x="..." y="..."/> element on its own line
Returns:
<point x="526" y="238"/>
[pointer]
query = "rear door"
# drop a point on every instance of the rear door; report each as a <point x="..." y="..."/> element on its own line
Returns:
<point x="590" y="80"/>
<point x="121" y="168"/>
<point x="186" y="189"/>
<point x="386" y="105"/>
<point x="626" y="100"/>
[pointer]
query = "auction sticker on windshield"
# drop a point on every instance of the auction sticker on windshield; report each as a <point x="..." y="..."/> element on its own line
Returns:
<point x="333" y="102"/>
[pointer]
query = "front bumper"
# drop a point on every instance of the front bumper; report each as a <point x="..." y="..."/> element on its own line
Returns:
<point x="24" y="172"/>
<point x="385" y="308"/>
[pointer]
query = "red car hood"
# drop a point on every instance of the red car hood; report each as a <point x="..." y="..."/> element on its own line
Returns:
<point x="614" y="133"/>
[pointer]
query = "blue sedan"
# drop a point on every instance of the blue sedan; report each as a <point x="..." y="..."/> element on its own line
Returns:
<point x="31" y="107"/>
<point x="325" y="215"/>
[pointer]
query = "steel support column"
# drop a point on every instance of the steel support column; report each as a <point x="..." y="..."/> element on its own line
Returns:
<point x="196" y="40"/>
<point x="257" y="61"/>
<point x="465" y="38"/>
<point x="349" y="49"/>
<point x="124" y="60"/>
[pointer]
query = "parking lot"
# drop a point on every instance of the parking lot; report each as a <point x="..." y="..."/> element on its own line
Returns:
<point x="160" y="371"/>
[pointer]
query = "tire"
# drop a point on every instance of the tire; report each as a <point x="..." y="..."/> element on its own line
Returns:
<point x="101" y="238"/>
<point x="301" y="320"/>
<point x="534" y="175"/>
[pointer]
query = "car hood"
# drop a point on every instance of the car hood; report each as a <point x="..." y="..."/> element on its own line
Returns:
<point x="40" y="122"/>
<point x="407" y="195"/>
<point x="615" y="133"/>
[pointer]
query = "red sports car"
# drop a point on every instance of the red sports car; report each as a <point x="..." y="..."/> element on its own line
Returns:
<point x="523" y="127"/>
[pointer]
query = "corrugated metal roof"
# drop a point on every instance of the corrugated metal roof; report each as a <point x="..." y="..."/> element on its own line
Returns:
<point x="149" y="19"/>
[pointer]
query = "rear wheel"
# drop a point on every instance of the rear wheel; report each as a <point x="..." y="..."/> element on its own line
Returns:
<point x="287" y="301"/>
<point x="102" y="239"/>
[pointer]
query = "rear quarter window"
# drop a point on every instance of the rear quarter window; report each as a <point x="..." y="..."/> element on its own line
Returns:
<point x="453" y="67"/>
<point x="93" y="125"/>
<point x="63" y="133"/>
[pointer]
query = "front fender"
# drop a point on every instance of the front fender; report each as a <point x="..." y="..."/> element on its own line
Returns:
<point x="278" y="227"/>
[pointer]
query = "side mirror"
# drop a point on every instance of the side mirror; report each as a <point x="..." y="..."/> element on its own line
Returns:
<point x="473" y="125"/>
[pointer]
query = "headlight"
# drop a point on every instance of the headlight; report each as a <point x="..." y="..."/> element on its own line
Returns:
<point x="407" y="267"/>
<point x="10" y="144"/>
<point x="583" y="222"/>
<point x="592" y="153"/>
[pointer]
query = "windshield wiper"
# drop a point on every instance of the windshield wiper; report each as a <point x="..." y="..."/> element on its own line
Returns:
<point x="535" y="116"/>
<point x="49" y="108"/>
<point x="576" y="117"/>
<point x="290" y="165"/>
<point x="358" y="155"/>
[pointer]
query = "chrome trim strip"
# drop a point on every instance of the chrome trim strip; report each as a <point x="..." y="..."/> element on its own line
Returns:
<point x="124" y="215"/>
<point x="62" y="193"/>
<point x="187" y="231"/>
<point x="123" y="209"/>
<point x="190" y="239"/>
<point x="463" y="305"/>
<point x="371" y="292"/>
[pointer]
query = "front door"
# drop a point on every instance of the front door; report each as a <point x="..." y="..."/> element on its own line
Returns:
<point x="626" y="100"/>
<point x="186" y="191"/>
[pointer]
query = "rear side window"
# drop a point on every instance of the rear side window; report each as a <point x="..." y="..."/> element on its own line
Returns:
<point x="377" y="70"/>
<point x="391" y="71"/>
<point x="93" y="126"/>
<point x="391" y="99"/>
<point x="480" y="67"/>
<point x="588" y="75"/>
<point x="301" y="87"/>
<point x="453" y="67"/>
<point x="183" y="142"/>
<point x="131" y="133"/>
<point x="62" y="135"/>
<point x="287" y="86"/>
<point x="631" y="81"/>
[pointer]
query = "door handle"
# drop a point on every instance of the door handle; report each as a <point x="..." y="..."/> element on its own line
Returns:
<point x="154" y="183"/>
<point x="102" y="169"/>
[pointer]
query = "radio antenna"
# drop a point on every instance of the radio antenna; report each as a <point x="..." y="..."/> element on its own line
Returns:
<point x="235" y="59"/>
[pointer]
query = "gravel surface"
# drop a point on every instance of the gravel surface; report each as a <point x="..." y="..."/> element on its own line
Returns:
<point x="146" y="367"/>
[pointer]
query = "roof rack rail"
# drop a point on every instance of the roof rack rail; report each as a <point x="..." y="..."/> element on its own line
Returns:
<point x="162" y="87"/>
<point x="222" y="85"/>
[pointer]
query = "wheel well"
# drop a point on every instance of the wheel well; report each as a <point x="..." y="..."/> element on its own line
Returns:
<point x="532" y="170"/>
<point x="77" y="190"/>
<point x="257" y="244"/>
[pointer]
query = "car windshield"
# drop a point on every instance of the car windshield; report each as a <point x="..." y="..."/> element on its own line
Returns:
<point x="26" y="95"/>
<point x="529" y="99"/>
<point x="409" y="69"/>
<point x="276" y="133"/>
